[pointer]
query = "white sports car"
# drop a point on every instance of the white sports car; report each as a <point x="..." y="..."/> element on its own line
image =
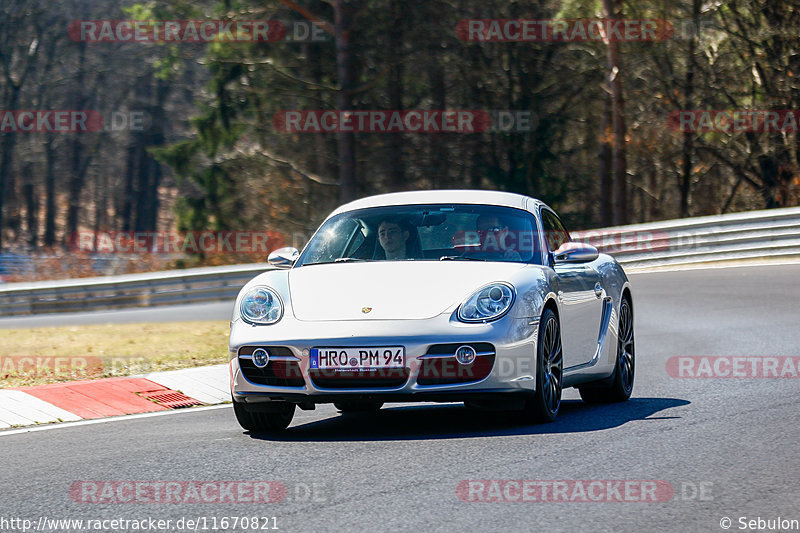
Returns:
<point x="478" y="297"/>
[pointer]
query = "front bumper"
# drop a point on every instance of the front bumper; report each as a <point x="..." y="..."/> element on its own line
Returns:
<point x="507" y="345"/>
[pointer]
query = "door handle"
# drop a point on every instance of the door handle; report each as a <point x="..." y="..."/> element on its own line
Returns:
<point x="598" y="290"/>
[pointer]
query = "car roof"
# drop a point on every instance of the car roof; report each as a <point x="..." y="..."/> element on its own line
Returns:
<point x="442" y="196"/>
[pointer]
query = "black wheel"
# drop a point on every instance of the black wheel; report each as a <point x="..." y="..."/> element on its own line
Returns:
<point x="277" y="418"/>
<point x="619" y="387"/>
<point x="544" y="403"/>
<point x="361" y="406"/>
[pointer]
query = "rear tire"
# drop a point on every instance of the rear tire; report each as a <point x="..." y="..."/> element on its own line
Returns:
<point x="257" y="421"/>
<point x="356" y="406"/>
<point x="619" y="387"/>
<point x="544" y="404"/>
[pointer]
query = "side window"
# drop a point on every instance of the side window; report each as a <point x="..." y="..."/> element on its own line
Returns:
<point x="554" y="231"/>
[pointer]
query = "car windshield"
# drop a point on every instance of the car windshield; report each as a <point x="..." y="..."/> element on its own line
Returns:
<point x="426" y="233"/>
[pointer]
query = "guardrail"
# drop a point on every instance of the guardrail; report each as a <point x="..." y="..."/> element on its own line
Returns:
<point x="756" y="234"/>
<point x="133" y="290"/>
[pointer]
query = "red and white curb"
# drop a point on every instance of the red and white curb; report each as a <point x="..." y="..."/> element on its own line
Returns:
<point x="100" y="398"/>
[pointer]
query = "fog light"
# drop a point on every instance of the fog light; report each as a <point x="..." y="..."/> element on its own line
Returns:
<point x="260" y="357"/>
<point x="465" y="355"/>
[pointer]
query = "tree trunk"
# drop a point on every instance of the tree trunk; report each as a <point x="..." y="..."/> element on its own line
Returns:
<point x="439" y="161"/>
<point x="687" y="151"/>
<point x="345" y="140"/>
<point x="395" y="58"/>
<point x="44" y="99"/>
<point x="128" y="195"/>
<point x="606" y="179"/>
<point x="619" y="163"/>
<point x="50" y="192"/>
<point x="155" y="137"/>
<point x="7" y="142"/>
<point x="31" y="212"/>
<point x="77" y="168"/>
<point x="320" y="165"/>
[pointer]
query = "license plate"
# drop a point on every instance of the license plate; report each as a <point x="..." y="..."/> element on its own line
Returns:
<point x="358" y="358"/>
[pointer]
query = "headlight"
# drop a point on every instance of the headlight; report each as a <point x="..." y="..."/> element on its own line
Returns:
<point x="261" y="305"/>
<point x="488" y="303"/>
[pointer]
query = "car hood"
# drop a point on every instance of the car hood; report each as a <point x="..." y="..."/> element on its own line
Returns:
<point x="391" y="290"/>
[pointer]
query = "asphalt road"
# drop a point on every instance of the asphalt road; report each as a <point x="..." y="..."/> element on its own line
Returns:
<point x="398" y="470"/>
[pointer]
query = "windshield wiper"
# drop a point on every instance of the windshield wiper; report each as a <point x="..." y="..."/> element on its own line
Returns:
<point x="339" y="260"/>
<point x="459" y="258"/>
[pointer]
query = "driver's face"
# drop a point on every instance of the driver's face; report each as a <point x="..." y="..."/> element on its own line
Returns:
<point x="488" y="225"/>
<point x="492" y="233"/>
<point x="392" y="237"/>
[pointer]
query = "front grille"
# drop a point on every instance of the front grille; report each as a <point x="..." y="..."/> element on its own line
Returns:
<point x="276" y="373"/>
<point x="447" y="371"/>
<point x="367" y="379"/>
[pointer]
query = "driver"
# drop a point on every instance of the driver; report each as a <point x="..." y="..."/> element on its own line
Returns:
<point x="393" y="238"/>
<point x="494" y="237"/>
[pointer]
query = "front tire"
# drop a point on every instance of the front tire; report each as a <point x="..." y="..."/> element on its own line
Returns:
<point x="620" y="386"/>
<point x="544" y="404"/>
<point x="257" y="421"/>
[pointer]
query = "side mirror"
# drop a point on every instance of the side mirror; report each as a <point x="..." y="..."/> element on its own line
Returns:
<point x="283" y="257"/>
<point x="575" y="252"/>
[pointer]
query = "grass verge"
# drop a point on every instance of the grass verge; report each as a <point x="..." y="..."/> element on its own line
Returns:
<point x="36" y="356"/>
